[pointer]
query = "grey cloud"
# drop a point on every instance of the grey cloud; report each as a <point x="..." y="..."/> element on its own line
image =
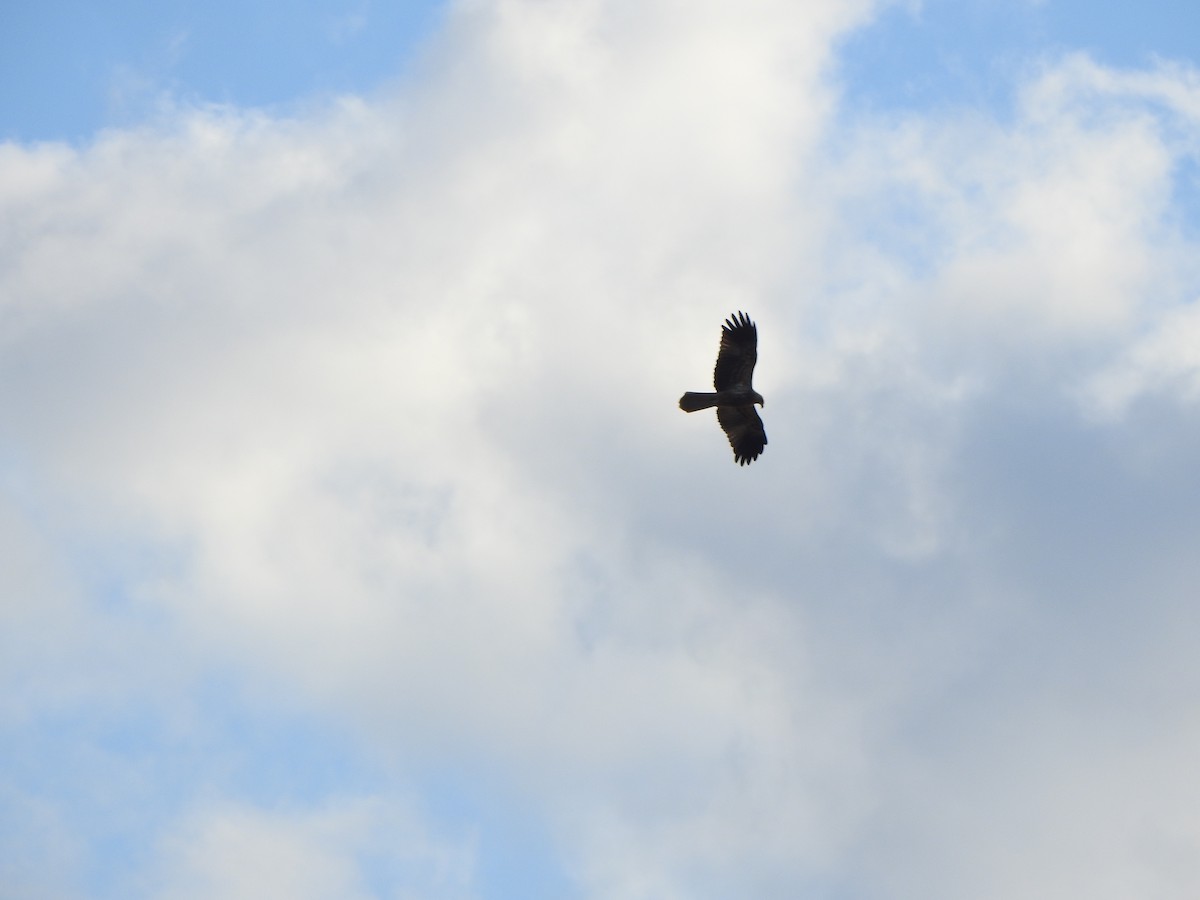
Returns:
<point x="382" y="398"/>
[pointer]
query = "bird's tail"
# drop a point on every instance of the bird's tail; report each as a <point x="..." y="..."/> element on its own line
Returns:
<point x="693" y="400"/>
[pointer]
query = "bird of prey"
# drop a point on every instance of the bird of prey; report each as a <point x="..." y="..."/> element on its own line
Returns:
<point x="735" y="395"/>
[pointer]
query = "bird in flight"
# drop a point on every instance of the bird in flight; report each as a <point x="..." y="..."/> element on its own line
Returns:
<point x="735" y="395"/>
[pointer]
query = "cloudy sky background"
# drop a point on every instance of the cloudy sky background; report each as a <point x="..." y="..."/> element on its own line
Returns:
<point x="353" y="545"/>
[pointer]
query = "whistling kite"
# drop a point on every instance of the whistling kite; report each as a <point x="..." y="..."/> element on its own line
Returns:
<point x="735" y="397"/>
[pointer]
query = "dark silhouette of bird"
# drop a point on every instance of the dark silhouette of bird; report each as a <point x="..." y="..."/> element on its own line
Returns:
<point x="733" y="377"/>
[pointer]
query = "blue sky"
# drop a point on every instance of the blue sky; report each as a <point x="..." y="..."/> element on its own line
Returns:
<point x="71" y="68"/>
<point x="945" y="52"/>
<point x="357" y="548"/>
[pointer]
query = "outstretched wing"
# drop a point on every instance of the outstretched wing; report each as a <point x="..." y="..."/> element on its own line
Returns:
<point x="745" y="431"/>
<point x="738" y="354"/>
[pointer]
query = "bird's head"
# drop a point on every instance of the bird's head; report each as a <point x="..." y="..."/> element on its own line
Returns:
<point x="759" y="400"/>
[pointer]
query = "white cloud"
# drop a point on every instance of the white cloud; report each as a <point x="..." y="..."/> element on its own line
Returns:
<point x="385" y="393"/>
<point x="239" y="852"/>
<point x="1164" y="361"/>
<point x="1057" y="226"/>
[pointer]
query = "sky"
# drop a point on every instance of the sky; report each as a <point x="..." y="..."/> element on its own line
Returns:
<point x="355" y="547"/>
